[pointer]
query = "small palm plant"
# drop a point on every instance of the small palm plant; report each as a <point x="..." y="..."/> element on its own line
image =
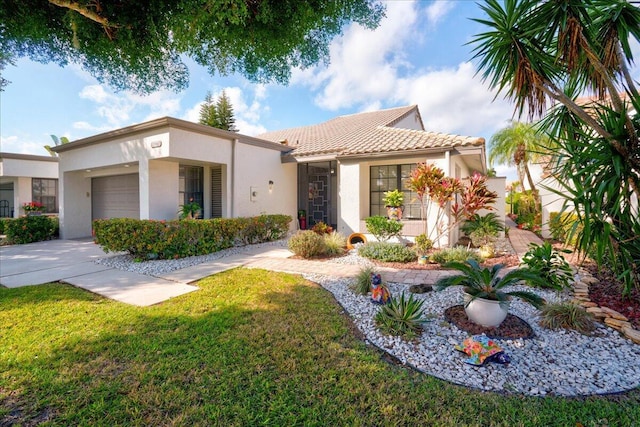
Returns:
<point x="550" y="265"/>
<point x="486" y="283"/>
<point x="402" y="316"/>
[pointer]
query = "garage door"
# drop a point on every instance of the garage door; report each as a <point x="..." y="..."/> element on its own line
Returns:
<point x="115" y="197"/>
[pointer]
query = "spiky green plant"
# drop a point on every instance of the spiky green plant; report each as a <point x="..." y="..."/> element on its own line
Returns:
<point x="566" y="316"/>
<point x="487" y="283"/>
<point x="401" y="316"/>
<point x="549" y="264"/>
<point x="362" y="285"/>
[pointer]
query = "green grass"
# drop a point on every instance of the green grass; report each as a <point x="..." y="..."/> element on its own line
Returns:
<point x="249" y="348"/>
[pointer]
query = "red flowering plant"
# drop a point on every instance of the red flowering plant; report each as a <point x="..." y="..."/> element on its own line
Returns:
<point x="33" y="207"/>
<point x="436" y="191"/>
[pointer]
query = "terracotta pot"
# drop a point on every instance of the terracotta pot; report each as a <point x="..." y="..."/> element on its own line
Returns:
<point x="485" y="312"/>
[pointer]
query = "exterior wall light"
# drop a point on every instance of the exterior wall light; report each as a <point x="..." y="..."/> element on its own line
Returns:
<point x="270" y="185"/>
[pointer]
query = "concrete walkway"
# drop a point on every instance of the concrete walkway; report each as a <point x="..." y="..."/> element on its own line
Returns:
<point x="72" y="261"/>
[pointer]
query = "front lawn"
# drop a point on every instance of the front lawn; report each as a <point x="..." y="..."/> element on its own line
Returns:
<point x="250" y="348"/>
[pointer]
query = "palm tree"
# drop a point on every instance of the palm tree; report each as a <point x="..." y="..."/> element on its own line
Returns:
<point x="517" y="145"/>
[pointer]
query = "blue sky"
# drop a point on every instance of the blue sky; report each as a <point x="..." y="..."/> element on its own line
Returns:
<point x="416" y="56"/>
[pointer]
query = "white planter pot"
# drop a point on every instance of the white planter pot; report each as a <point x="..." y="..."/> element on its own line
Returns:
<point x="485" y="312"/>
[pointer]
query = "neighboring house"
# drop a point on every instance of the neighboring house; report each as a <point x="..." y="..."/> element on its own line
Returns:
<point x="27" y="178"/>
<point x="148" y="170"/>
<point x="346" y="164"/>
<point x="337" y="171"/>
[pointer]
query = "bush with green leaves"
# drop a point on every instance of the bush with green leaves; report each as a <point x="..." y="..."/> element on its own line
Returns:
<point x="383" y="228"/>
<point x="387" y="252"/>
<point x="3" y="221"/>
<point x="362" y="285"/>
<point x="549" y="264"/>
<point x="490" y="224"/>
<point x="402" y="316"/>
<point x="152" y="239"/>
<point x="307" y="244"/>
<point x="422" y="244"/>
<point x="566" y="316"/>
<point x="334" y="243"/>
<point x="562" y="225"/>
<point x="456" y="254"/>
<point x="30" y="229"/>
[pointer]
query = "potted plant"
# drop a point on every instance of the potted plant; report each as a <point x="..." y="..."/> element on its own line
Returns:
<point x="422" y="245"/>
<point x="189" y="210"/>
<point x="485" y="301"/>
<point x="33" y="208"/>
<point x="393" y="201"/>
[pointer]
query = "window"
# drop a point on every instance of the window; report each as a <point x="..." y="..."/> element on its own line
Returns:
<point x="191" y="184"/>
<point x="45" y="191"/>
<point x="388" y="178"/>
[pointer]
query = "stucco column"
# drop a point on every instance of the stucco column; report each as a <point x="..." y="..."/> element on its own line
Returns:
<point x="144" y="179"/>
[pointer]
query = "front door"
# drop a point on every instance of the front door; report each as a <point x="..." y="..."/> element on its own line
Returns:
<point x="317" y="192"/>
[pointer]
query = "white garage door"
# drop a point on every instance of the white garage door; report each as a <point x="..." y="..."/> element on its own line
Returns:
<point x="115" y="197"/>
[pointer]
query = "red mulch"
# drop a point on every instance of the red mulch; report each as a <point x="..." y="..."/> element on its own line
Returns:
<point x="512" y="327"/>
<point x="608" y="293"/>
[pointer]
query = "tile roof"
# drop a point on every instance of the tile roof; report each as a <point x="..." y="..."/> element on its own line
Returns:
<point x="366" y="133"/>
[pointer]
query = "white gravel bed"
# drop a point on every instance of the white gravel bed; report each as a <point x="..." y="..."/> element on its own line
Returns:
<point x="127" y="262"/>
<point x="563" y="363"/>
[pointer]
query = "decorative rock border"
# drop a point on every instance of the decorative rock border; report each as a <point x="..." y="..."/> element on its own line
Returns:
<point x="609" y="317"/>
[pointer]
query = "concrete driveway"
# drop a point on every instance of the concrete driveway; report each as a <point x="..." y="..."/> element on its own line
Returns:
<point x="72" y="261"/>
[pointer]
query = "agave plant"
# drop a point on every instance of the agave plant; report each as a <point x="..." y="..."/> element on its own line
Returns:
<point x="401" y="316"/>
<point x="487" y="283"/>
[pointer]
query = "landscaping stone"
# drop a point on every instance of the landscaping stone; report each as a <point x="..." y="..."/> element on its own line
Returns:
<point x="614" y="314"/>
<point x="632" y="334"/>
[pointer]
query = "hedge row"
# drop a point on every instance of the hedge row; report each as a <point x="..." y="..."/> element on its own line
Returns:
<point x="28" y="229"/>
<point x="150" y="239"/>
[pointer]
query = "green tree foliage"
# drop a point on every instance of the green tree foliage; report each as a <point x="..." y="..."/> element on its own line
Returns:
<point x="139" y="45"/>
<point x="218" y="113"/>
<point x="553" y="53"/>
<point x="517" y="145"/>
<point x="58" y="141"/>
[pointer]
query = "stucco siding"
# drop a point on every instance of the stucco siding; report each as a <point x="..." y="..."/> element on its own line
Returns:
<point x="254" y="168"/>
<point x="204" y="148"/>
<point x="28" y="168"/>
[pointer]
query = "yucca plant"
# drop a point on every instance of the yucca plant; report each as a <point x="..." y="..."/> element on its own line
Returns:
<point x="566" y="316"/>
<point x="401" y="316"/>
<point x="549" y="264"/>
<point x="362" y="285"/>
<point x="486" y="283"/>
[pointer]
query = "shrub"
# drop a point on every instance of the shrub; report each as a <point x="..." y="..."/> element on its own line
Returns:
<point x="457" y="254"/>
<point x="566" y="316"/>
<point x="401" y="316"/>
<point x="490" y="224"/>
<point x="334" y="243"/>
<point x="3" y="222"/>
<point x="562" y="225"/>
<point x="322" y="228"/>
<point x="383" y="228"/>
<point x="30" y="229"/>
<point x="306" y="244"/>
<point x="549" y="264"/>
<point x="423" y="244"/>
<point x="387" y="252"/>
<point x="362" y="285"/>
<point x="150" y="239"/>
<point x="481" y="238"/>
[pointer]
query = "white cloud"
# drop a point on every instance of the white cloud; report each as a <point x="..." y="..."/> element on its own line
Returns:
<point x="453" y="100"/>
<point x="21" y="145"/>
<point x="364" y="63"/>
<point x="437" y="10"/>
<point x="118" y="109"/>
